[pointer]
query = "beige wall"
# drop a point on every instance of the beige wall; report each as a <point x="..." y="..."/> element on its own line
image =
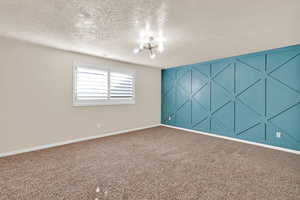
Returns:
<point x="36" y="98"/>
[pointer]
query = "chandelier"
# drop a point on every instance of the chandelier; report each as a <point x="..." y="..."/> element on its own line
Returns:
<point x="153" y="45"/>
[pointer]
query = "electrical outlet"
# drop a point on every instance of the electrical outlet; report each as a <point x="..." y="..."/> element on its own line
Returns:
<point x="98" y="125"/>
<point x="278" y="134"/>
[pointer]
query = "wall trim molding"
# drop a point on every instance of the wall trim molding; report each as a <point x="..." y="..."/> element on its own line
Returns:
<point x="41" y="147"/>
<point x="251" y="97"/>
<point x="234" y="139"/>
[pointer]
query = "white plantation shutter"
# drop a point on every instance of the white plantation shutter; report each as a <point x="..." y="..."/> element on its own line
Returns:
<point x="91" y="84"/>
<point x="95" y="86"/>
<point x="121" y="86"/>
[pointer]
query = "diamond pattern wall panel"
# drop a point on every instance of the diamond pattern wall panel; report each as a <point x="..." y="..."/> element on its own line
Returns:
<point x="250" y="97"/>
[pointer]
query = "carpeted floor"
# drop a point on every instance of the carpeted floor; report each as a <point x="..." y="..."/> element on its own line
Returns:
<point x="157" y="163"/>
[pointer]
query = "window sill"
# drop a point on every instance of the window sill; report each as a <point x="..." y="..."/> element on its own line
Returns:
<point x="79" y="104"/>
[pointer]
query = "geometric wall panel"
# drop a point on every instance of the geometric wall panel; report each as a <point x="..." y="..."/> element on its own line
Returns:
<point x="255" y="97"/>
<point x="245" y="118"/>
<point x="226" y="78"/>
<point x="203" y="126"/>
<point x="285" y="141"/>
<point x="277" y="59"/>
<point x="250" y="97"/>
<point x="199" y="112"/>
<point x="219" y="96"/>
<point x="163" y="109"/>
<point x="198" y="80"/>
<point x="184" y="80"/>
<point x="183" y="115"/>
<point x="289" y="122"/>
<point x="218" y="127"/>
<point x="245" y="76"/>
<point x="169" y="78"/>
<point x="223" y="120"/>
<point x="202" y="68"/>
<point x="289" y="73"/>
<point x="182" y="96"/>
<point x="226" y="116"/>
<point x="255" y="134"/>
<point x="170" y="102"/>
<point x="280" y="97"/>
<point x="255" y="61"/>
<point x="201" y="97"/>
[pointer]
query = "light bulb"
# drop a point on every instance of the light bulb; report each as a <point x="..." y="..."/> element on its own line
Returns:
<point x="141" y="46"/>
<point x="152" y="56"/>
<point x="160" y="47"/>
<point x="160" y="38"/>
<point x="147" y="26"/>
<point x="136" y="50"/>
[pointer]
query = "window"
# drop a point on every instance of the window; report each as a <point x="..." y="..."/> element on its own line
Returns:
<point x="99" y="86"/>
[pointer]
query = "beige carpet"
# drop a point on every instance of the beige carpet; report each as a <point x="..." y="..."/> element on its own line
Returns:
<point x="157" y="163"/>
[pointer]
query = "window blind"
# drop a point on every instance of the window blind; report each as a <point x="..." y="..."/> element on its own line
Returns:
<point x="94" y="86"/>
<point x="121" y="86"/>
<point x="91" y="84"/>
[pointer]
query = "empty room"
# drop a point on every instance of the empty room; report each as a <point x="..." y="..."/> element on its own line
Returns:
<point x="149" y="100"/>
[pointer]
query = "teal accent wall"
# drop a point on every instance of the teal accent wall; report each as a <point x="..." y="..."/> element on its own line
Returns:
<point x="249" y="97"/>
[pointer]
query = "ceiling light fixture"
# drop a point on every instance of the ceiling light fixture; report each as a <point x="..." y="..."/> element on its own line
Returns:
<point x="151" y="44"/>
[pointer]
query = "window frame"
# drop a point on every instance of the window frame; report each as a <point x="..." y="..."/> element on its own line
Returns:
<point x="108" y="101"/>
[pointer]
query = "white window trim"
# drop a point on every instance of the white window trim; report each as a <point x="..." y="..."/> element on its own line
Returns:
<point x="102" y="102"/>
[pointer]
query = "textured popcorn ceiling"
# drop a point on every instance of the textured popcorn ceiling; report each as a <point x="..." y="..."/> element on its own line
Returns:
<point x="195" y="30"/>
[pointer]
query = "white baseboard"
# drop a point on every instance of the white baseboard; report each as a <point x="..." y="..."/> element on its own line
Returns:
<point x="72" y="141"/>
<point x="137" y="129"/>
<point x="234" y="139"/>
